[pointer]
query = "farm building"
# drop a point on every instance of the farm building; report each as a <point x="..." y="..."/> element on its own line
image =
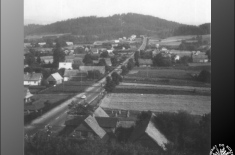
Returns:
<point x="33" y="79"/>
<point x="65" y="65"/>
<point x="92" y="68"/>
<point x="200" y="58"/>
<point x="28" y="95"/>
<point x="85" y="126"/>
<point x="69" y="43"/>
<point x="70" y="74"/>
<point x="145" y="62"/>
<point x="148" y="135"/>
<point x="55" y="79"/>
<point x="99" y="112"/>
<point x="46" y="59"/>
<point x="109" y="124"/>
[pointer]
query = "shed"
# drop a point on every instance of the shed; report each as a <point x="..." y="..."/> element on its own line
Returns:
<point x="55" y="78"/>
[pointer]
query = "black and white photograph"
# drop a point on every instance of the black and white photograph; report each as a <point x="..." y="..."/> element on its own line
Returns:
<point x="116" y="77"/>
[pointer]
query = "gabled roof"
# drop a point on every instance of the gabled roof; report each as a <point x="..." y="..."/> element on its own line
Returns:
<point x="86" y="123"/>
<point x="54" y="77"/>
<point x="145" y="61"/>
<point x="32" y="76"/>
<point x="107" y="122"/>
<point x="93" y="124"/>
<point x="99" y="112"/>
<point x="148" y="127"/>
<point x="74" y="73"/>
<point x="27" y="93"/>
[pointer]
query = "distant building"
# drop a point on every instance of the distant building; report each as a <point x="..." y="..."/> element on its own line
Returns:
<point x="42" y="44"/>
<point x="109" y="124"/>
<point x="46" y="59"/>
<point x="55" y="79"/>
<point x="32" y="79"/>
<point x="200" y="58"/>
<point x="92" y="68"/>
<point x="71" y="74"/>
<point x="145" y="62"/>
<point x="69" y="43"/>
<point x="65" y="65"/>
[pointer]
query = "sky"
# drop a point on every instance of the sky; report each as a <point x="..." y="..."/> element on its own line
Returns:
<point x="192" y="12"/>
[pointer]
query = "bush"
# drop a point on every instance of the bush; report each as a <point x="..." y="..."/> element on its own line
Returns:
<point x="204" y="76"/>
<point x="160" y="60"/>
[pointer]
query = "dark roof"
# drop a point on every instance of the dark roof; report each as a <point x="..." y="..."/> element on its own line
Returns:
<point x="147" y="127"/>
<point x="32" y="76"/>
<point x="107" y="122"/>
<point x="75" y="121"/>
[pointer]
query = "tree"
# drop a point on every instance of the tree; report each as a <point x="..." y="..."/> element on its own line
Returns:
<point x="115" y="78"/>
<point x="38" y="60"/>
<point x="58" y="55"/>
<point x="102" y="62"/>
<point x="49" y="43"/>
<point x="185" y="59"/>
<point x="136" y="56"/>
<point x="87" y="60"/>
<point x="160" y="60"/>
<point x="130" y="64"/>
<point x="30" y="59"/>
<point x="124" y="70"/>
<point x="94" y="74"/>
<point x="114" y="61"/>
<point x="104" y="54"/>
<point x="208" y="53"/>
<point x="110" y="85"/>
<point x="28" y="70"/>
<point x="204" y="76"/>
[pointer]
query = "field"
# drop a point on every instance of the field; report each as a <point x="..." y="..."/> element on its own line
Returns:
<point x="197" y="105"/>
<point x="160" y="73"/>
<point x="69" y="87"/>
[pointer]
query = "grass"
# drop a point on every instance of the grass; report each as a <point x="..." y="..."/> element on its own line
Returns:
<point x="198" y="105"/>
<point x="160" y="73"/>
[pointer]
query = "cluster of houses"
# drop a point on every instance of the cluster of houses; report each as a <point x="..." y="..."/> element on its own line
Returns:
<point x="101" y="125"/>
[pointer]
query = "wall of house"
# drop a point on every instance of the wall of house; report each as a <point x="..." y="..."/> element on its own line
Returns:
<point x="32" y="83"/>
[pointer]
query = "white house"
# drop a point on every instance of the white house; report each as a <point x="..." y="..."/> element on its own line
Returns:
<point x="33" y="79"/>
<point x="55" y="78"/>
<point x="69" y="43"/>
<point x="66" y="65"/>
<point x="42" y="43"/>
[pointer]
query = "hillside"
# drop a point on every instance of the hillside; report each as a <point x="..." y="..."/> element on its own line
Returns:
<point x="113" y="26"/>
<point x="117" y="26"/>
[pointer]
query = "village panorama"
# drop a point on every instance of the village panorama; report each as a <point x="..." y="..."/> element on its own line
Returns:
<point x="123" y="84"/>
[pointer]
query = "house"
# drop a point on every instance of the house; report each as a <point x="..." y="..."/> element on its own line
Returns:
<point x="145" y="62"/>
<point x="148" y="135"/>
<point x="42" y="44"/>
<point x="109" y="124"/>
<point x="70" y="74"/>
<point x="47" y="59"/>
<point x="28" y="95"/>
<point x="55" y="79"/>
<point x="99" y="112"/>
<point x="78" y="61"/>
<point x="33" y="79"/>
<point x="85" y="126"/>
<point x="69" y="43"/>
<point x="65" y="65"/>
<point x="92" y="68"/>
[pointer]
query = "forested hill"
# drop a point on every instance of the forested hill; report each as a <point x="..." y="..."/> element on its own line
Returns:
<point x="193" y="30"/>
<point x="116" y="25"/>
